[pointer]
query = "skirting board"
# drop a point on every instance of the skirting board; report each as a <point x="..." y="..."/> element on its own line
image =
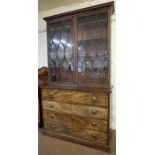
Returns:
<point x="106" y="148"/>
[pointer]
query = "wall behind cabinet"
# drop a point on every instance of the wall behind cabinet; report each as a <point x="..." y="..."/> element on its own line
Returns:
<point x="42" y="49"/>
<point x="42" y="41"/>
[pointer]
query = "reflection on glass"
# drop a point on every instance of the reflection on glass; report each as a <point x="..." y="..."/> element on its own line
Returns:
<point x="53" y="70"/>
<point x="64" y="34"/>
<point x="81" y="57"/>
<point x="53" y="52"/>
<point x="65" y="65"/>
<point x="69" y="52"/>
<point x="61" y="51"/>
<point x="56" y="38"/>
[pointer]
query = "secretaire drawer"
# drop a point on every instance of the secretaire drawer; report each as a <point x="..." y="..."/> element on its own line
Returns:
<point x="90" y="123"/>
<point x="79" y="132"/>
<point x="80" y="110"/>
<point x="75" y="97"/>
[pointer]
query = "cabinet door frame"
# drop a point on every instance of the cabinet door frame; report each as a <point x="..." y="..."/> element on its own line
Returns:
<point x="62" y="19"/>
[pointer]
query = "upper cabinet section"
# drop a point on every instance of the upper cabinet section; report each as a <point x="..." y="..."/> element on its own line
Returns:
<point x="79" y="47"/>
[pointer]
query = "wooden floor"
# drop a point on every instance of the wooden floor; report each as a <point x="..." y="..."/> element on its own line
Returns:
<point x="53" y="146"/>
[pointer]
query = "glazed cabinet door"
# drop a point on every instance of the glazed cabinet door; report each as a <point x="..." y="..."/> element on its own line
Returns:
<point x="60" y="51"/>
<point x="93" y="51"/>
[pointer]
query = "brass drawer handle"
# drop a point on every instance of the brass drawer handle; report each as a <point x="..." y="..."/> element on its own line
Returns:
<point x="53" y="126"/>
<point x="94" y="124"/>
<point x="94" y="111"/>
<point x="52" y="116"/>
<point x="94" y="136"/>
<point x="51" y="106"/>
<point x="94" y="98"/>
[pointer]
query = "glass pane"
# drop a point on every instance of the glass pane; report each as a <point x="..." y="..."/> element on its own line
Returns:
<point x="93" y="48"/>
<point x="61" y="51"/>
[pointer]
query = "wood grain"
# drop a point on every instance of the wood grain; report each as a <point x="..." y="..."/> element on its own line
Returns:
<point x="103" y="147"/>
<point x="89" y="135"/>
<point x="90" y="123"/>
<point x="75" y="97"/>
<point x="86" y="111"/>
<point x="60" y="17"/>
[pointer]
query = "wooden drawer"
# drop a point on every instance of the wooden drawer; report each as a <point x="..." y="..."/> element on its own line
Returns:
<point x="90" y="123"/>
<point x="75" y="97"/>
<point x="82" y="133"/>
<point x="86" y="111"/>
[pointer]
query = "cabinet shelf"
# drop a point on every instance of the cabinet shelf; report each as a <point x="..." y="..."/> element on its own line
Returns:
<point x="85" y="37"/>
<point x="93" y="38"/>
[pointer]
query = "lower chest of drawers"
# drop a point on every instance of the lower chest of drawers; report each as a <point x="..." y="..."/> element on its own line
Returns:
<point x="81" y="116"/>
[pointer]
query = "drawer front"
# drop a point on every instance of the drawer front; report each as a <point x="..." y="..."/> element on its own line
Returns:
<point x="86" y="111"/>
<point x="90" y="123"/>
<point x="82" y="133"/>
<point x="75" y="97"/>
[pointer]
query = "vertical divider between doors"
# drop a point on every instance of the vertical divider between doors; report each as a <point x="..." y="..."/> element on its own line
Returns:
<point x="74" y="20"/>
